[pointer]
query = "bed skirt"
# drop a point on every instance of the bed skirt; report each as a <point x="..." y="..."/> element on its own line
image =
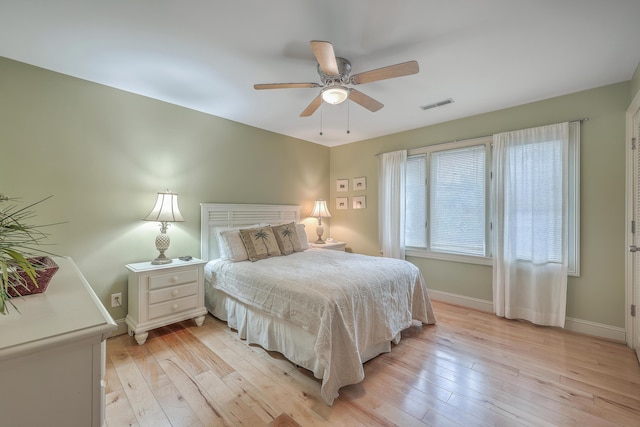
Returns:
<point x="274" y="334"/>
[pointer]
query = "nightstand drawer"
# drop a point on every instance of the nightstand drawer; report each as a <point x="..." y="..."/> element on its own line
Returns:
<point x="173" y="306"/>
<point x="175" y="278"/>
<point x="173" y="292"/>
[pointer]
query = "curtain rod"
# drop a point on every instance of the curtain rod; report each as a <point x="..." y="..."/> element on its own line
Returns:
<point x="584" y="119"/>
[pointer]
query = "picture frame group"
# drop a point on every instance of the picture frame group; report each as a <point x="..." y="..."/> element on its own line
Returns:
<point x="357" y="185"/>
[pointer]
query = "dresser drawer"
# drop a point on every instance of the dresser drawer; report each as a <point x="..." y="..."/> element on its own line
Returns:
<point x="157" y="281"/>
<point x="172" y="292"/>
<point x="173" y="306"/>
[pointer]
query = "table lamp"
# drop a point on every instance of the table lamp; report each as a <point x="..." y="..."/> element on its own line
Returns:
<point x="320" y="211"/>
<point x="165" y="211"/>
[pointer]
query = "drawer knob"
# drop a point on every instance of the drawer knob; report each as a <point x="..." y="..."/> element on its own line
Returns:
<point x="174" y="307"/>
<point x="174" y="292"/>
<point x="174" y="279"/>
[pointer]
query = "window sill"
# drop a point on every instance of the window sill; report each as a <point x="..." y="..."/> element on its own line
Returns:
<point x="467" y="259"/>
<point x="420" y="253"/>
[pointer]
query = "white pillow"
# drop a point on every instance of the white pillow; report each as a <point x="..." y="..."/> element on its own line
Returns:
<point x="304" y="242"/>
<point x="230" y="244"/>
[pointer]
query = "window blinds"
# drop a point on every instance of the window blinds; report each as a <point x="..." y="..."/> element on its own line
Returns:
<point x="457" y="200"/>
<point x="416" y="201"/>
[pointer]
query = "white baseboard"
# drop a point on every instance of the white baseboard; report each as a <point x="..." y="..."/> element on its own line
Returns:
<point x="585" y="327"/>
<point x="601" y="330"/>
<point x="122" y="328"/>
<point x="461" y="300"/>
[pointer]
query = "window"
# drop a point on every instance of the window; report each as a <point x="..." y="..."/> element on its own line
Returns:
<point x="447" y="185"/>
<point x="448" y="201"/>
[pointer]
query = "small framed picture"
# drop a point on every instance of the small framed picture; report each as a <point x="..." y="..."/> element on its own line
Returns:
<point x="359" y="202"/>
<point x="342" y="185"/>
<point x="360" y="184"/>
<point x="342" y="203"/>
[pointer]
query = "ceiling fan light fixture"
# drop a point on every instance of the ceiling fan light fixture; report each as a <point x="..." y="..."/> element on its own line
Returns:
<point x="335" y="94"/>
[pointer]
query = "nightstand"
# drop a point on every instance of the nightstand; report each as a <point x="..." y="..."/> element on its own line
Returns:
<point x="334" y="246"/>
<point x="163" y="294"/>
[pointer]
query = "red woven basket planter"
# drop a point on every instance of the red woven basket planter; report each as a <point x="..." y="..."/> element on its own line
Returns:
<point x="45" y="269"/>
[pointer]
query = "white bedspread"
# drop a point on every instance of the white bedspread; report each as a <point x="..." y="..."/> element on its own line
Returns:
<point x="349" y="301"/>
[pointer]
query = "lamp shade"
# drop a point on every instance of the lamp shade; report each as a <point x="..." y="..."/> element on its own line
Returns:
<point x="335" y="94"/>
<point x="166" y="209"/>
<point x="320" y="210"/>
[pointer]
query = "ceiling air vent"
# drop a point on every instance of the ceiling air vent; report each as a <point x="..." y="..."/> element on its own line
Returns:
<point x="436" y="104"/>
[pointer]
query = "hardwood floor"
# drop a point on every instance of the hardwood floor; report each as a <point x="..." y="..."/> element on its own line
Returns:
<point x="472" y="368"/>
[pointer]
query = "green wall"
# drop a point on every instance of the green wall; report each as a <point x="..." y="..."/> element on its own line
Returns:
<point x="598" y="294"/>
<point x="104" y="154"/>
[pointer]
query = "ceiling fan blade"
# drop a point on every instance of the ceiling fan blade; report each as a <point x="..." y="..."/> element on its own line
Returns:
<point x="398" y="70"/>
<point x="365" y="100"/>
<point x="284" y="85"/>
<point x="325" y="56"/>
<point x="311" y="108"/>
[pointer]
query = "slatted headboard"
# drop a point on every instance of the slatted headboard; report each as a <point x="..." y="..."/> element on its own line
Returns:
<point x="219" y="215"/>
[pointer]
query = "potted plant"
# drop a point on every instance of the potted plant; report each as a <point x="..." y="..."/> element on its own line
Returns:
<point x="25" y="267"/>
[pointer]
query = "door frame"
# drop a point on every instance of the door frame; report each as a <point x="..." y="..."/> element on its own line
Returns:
<point x="630" y="296"/>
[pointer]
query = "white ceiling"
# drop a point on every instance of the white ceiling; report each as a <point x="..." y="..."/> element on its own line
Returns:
<point x="207" y="54"/>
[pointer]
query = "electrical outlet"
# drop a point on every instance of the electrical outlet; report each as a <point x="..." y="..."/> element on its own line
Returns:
<point x="116" y="299"/>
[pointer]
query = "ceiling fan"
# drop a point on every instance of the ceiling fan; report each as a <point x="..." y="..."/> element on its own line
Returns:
<point x="335" y="73"/>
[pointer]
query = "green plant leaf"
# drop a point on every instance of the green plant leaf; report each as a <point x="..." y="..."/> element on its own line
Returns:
<point x="23" y="263"/>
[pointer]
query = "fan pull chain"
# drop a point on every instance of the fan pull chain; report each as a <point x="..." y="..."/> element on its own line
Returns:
<point x="321" y="115"/>
<point x="348" y="118"/>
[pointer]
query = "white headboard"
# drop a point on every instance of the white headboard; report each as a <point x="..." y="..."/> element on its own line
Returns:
<point x="216" y="215"/>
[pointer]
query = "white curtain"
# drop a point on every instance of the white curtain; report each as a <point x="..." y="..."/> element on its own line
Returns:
<point x="391" y="203"/>
<point x="530" y="207"/>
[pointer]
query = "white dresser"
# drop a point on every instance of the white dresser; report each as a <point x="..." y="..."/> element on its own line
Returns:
<point x="52" y="355"/>
<point x="163" y="294"/>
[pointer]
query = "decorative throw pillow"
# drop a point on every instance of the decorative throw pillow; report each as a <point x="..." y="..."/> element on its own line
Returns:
<point x="260" y="243"/>
<point x="302" y="235"/>
<point x="287" y="238"/>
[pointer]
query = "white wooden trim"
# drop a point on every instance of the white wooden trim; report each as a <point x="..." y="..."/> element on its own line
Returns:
<point x="628" y="300"/>
<point x="571" y="324"/>
<point x="574" y="201"/>
<point x="461" y="300"/>
<point x="468" y="259"/>
<point x="122" y="328"/>
<point x="601" y="330"/>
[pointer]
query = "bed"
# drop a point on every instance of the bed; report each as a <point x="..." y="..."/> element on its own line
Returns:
<point x="326" y="311"/>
